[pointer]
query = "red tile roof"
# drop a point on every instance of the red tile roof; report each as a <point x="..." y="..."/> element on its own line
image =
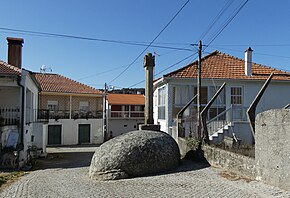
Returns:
<point x="5" y="68"/>
<point x="60" y="84"/>
<point x="126" y="99"/>
<point x="218" y="65"/>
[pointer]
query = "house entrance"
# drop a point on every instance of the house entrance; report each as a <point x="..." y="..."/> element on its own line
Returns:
<point x="84" y="133"/>
<point x="54" y="134"/>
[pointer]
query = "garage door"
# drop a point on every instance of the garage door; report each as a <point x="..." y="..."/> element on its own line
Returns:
<point x="84" y="133"/>
<point x="54" y="134"/>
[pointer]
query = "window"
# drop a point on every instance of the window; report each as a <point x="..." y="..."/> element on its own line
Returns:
<point x="236" y="95"/>
<point x="138" y="108"/>
<point x="180" y="95"/>
<point x="203" y="94"/>
<point x="52" y="105"/>
<point x="84" y="106"/>
<point x="221" y="99"/>
<point x="161" y="103"/>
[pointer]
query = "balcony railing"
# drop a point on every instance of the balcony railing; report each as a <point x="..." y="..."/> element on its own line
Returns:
<point x="66" y="114"/>
<point x="127" y="114"/>
<point x="9" y="116"/>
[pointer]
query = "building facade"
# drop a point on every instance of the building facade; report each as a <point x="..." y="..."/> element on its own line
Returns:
<point x="227" y="115"/>
<point x="75" y="111"/>
<point x="125" y="113"/>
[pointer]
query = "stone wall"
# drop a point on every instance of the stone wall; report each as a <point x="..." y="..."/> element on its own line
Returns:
<point x="230" y="161"/>
<point x="273" y="147"/>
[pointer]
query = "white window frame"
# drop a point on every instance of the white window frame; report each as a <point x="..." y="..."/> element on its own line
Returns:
<point x="237" y="95"/>
<point x="181" y="95"/>
<point x="161" y="94"/>
<point x="52" y="105"/>
<point x="84" y="106"/>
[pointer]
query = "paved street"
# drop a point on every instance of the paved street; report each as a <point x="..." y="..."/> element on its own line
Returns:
<point x="62" y="175"/>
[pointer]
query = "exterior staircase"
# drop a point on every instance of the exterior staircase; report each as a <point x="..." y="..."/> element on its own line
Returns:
<point x="218" y="136"/>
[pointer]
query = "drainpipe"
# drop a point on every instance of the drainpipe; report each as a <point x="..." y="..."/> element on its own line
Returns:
<point x="22" y="113"/>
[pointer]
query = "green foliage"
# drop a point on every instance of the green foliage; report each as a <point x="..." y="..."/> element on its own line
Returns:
<point x="192" y="143"/>
<point x="4" y="178"/>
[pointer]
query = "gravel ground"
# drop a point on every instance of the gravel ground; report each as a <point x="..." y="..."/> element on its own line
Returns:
<point x="63" y="179"/>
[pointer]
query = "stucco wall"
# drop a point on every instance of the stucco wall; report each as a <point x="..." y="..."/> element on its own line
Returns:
<point x="273" y="146"/>
<point x="121" y="126"/>
<point x="10" y="97"/>
<point x="69" y="133"/>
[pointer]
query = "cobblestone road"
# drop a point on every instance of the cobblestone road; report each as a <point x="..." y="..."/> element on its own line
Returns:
<point x="190" y="180"/>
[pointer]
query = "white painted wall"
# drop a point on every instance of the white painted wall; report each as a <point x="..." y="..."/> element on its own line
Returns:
<point x="9" y="97"/>
<point x="276" y="96"/>
<point x="121" y="126"/>
<point x="70" y="130"/>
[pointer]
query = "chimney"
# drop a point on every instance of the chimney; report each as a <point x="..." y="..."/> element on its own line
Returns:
<point x="248" y="62"/>
<point x="15" y="51"/>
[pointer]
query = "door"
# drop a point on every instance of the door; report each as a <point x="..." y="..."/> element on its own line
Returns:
<point x="84" y="133"/>
<point x="54" y="134"/>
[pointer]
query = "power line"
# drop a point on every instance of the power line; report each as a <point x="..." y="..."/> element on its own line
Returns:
<point x="107" y="71"/>
<point x="164" y="69"/>
<point x="151" y="42"/>
<point x="47" y="34"/>
<point x="234" y="14"/>
<point x="262" y="54"/>
<point x="222" y="11"/>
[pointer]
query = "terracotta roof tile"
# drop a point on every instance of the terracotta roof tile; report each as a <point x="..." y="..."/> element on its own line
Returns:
<point x="126" y="99"/>
<point x="218" y="65"/>
<point x="5" y="68"/>
<point x="61" y="84"/>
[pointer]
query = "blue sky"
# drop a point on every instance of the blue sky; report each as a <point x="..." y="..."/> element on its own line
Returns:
<point x="261" y="24"/>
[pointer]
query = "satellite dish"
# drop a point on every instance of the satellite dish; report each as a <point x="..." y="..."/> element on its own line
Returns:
<point x="44" y="69"/>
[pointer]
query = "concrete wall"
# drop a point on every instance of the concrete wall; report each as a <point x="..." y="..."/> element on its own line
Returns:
<point x="273" y="147"/>
<point x="243" y="131"/>
<point x="121" y="126"/>
<point x="69" y="134"/>
<point x="10" y="97"/>
<point x="230" y="161"/>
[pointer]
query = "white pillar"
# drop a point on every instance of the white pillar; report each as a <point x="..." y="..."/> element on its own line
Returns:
<point x="44" y="138"/>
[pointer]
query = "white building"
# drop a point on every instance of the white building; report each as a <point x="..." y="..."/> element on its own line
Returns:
<point x="125" y="113"/>
<point x="18" y="102"/>
<point x="228" y="113"/>
<point x="74" y="112"/>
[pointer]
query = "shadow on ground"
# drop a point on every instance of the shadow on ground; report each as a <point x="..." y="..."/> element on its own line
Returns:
<point x="64" y="160"/>
<point x="192" y="161"/>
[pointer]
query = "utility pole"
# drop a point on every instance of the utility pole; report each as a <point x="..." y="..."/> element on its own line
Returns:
<point x="105" y="127"/>
<point x="198" y="90"/>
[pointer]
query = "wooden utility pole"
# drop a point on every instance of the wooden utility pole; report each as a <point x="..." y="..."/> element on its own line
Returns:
<point x="198" y="91"/>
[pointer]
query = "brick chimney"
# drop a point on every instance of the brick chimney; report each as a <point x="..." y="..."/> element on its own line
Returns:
<point x="15" y="51"/>
<point x="248" y="62"/>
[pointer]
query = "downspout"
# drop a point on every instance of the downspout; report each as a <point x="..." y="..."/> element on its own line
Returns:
<point x="21" y="145"/>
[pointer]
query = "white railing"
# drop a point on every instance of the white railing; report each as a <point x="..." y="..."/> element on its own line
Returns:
<point x="233" y="113"/>
<point x="9" y="116"/>
<point x="127" y="114"/>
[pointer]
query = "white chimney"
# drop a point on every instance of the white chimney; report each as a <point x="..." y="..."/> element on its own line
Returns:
<point x="248" y="62"/>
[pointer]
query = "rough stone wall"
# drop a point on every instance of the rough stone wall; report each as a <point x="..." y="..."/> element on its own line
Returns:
<point x="273" y="147"/>
<point x="230" y="161"/>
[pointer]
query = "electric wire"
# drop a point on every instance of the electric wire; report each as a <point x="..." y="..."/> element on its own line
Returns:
<point x="150" y="42"/>
<point x="219" y="15"/>
<point x="47" y="34"/>
<point x="229" y="20"/>
<point x="184" y="59"/>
